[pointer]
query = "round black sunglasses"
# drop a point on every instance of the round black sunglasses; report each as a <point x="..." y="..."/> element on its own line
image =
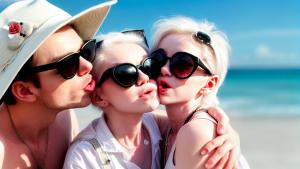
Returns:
<point x="182" y="64"/>
<point x="127" y="74"/>
<point x="68" y="66"/>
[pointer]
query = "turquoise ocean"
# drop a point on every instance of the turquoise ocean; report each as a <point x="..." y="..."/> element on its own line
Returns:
<point x="261" y="92"/>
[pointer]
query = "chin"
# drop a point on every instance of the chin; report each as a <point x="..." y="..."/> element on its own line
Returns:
<point x="80" y="104"/>
<point x="163" y="101"/>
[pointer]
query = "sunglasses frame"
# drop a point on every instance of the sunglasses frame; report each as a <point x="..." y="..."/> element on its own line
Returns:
<point x="197" y="62"/>
<point x="110" y="72"/>
<point x="202" y="38"/>
<point x="59" y="65"/>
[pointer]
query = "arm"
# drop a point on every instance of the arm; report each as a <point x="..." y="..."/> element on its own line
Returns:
<point x="190" y="139"/>
<point x="226" y="146"/>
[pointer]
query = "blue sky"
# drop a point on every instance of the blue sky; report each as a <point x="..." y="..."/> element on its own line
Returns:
<point x="262" y="33"/>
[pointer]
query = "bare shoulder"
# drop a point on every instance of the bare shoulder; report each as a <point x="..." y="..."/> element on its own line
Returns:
<point x="189" y="141"/>
<point x="197" y="131"/>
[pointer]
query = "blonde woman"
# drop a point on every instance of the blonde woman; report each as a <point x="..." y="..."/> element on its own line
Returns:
<point x="193" y="57"/>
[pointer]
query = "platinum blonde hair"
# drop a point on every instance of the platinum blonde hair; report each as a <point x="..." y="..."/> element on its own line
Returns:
<point x="215" y="58"/>
<point x="108" y="42"/>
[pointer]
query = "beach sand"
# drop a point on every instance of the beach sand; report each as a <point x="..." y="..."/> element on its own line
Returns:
<point x="269" y="142"/>
<point x="266" y="142"/>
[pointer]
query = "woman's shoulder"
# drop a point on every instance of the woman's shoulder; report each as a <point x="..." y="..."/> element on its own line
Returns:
<point x="80" y="152"/>
<point x="196" y="130"/>
<point x="189" y="141"/>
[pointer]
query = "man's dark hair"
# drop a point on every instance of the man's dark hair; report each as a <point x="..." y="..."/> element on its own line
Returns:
<point x="23" y="75"/>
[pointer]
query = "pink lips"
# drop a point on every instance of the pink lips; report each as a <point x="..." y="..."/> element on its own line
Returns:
<point x="163" y="86"/>
<point x="90" y="86"/>
<point x="146" y="93"/>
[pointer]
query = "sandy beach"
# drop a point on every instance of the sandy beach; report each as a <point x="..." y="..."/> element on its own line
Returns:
<point x="266" y="142"/>
<point x="269" y="142"/>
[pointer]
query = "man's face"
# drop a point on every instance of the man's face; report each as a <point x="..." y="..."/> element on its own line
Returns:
<point x="55" y="91"/>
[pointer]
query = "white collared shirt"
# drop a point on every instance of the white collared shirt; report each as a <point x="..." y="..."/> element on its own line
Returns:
<point x="82" y="155"/>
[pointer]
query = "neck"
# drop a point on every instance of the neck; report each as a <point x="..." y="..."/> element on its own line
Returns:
<point x="31" y="122"/>
<point x="31" y="129"/>
<point x="177" y="113"/>
<point x="127" y="132"/>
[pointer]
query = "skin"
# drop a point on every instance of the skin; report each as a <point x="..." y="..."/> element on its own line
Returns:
<point x="36" y="113"/>
<point x="181" y="98"/>
<point x="120" y="103"/>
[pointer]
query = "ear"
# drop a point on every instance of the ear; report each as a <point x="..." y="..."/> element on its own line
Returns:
<point x="210" y="85"/>
<point x="97" y="100"/>
<point x="23" y="91"/>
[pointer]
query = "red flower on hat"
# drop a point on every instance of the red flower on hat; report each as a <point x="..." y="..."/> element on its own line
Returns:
<point x="14" y="27"/>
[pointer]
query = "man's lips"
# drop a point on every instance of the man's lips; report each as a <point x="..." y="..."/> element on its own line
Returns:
<point x="90" y="86"/>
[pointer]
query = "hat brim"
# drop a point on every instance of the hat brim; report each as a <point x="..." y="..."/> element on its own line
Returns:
<point x="86" y="24"/>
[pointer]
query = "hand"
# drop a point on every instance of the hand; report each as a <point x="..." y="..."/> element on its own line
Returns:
<point x="221" y="117"/>
<point x="225" y="148"/>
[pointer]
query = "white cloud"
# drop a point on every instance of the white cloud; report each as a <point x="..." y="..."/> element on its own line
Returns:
<point x="266" y="55"/>
<point x="263" y="50"/>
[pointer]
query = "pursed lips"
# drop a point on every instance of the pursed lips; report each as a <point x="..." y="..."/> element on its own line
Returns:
<point x="163" y="86"/>
<point x="146" y="92"/>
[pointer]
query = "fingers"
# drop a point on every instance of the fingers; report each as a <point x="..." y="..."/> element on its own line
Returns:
<point x="213" y="144"/>
<point x="219" y="155"/>
<point x="233" y="159"/>
<point x="221" y="117"/>
<point x="222" y="162"/>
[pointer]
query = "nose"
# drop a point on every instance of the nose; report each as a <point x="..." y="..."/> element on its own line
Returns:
<point x="143" y="78"/>
<point x="165" y="71"/>
<point x="85" y="67"/>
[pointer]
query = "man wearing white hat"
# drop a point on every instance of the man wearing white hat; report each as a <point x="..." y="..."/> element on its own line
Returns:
<point x="45" y="64"/>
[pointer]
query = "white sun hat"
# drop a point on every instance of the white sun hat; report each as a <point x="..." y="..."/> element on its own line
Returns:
<point x="26" y="24"/>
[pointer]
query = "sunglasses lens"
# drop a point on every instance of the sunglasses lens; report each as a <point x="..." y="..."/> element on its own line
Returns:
<point x="160" y="56"/>
<point x="69" y="66"/>
<point x="182" y="65"/>
<point x="151" y="67"/>
<point x="126" y="75"/>
<point x="88" y="51"/>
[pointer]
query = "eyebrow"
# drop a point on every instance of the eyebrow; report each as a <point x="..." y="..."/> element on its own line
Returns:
<point x="58" y="58"/>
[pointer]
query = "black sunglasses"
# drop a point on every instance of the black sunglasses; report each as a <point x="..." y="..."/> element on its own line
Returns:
<point x="139" y="32"/>
<point x="182" y="64"/>
<point x="69" y="65"/>
<point x="127" y="74"/>
<point x="202" y="37"/>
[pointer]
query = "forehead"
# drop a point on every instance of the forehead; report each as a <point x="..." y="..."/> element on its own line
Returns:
<point x="180" y="42"/>
<point x="58" y="45"/>
<point x="125" y="53"/>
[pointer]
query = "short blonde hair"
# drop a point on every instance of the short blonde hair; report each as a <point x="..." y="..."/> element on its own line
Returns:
<point x="108" y="41"/>
<point x="218" y="63"/>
